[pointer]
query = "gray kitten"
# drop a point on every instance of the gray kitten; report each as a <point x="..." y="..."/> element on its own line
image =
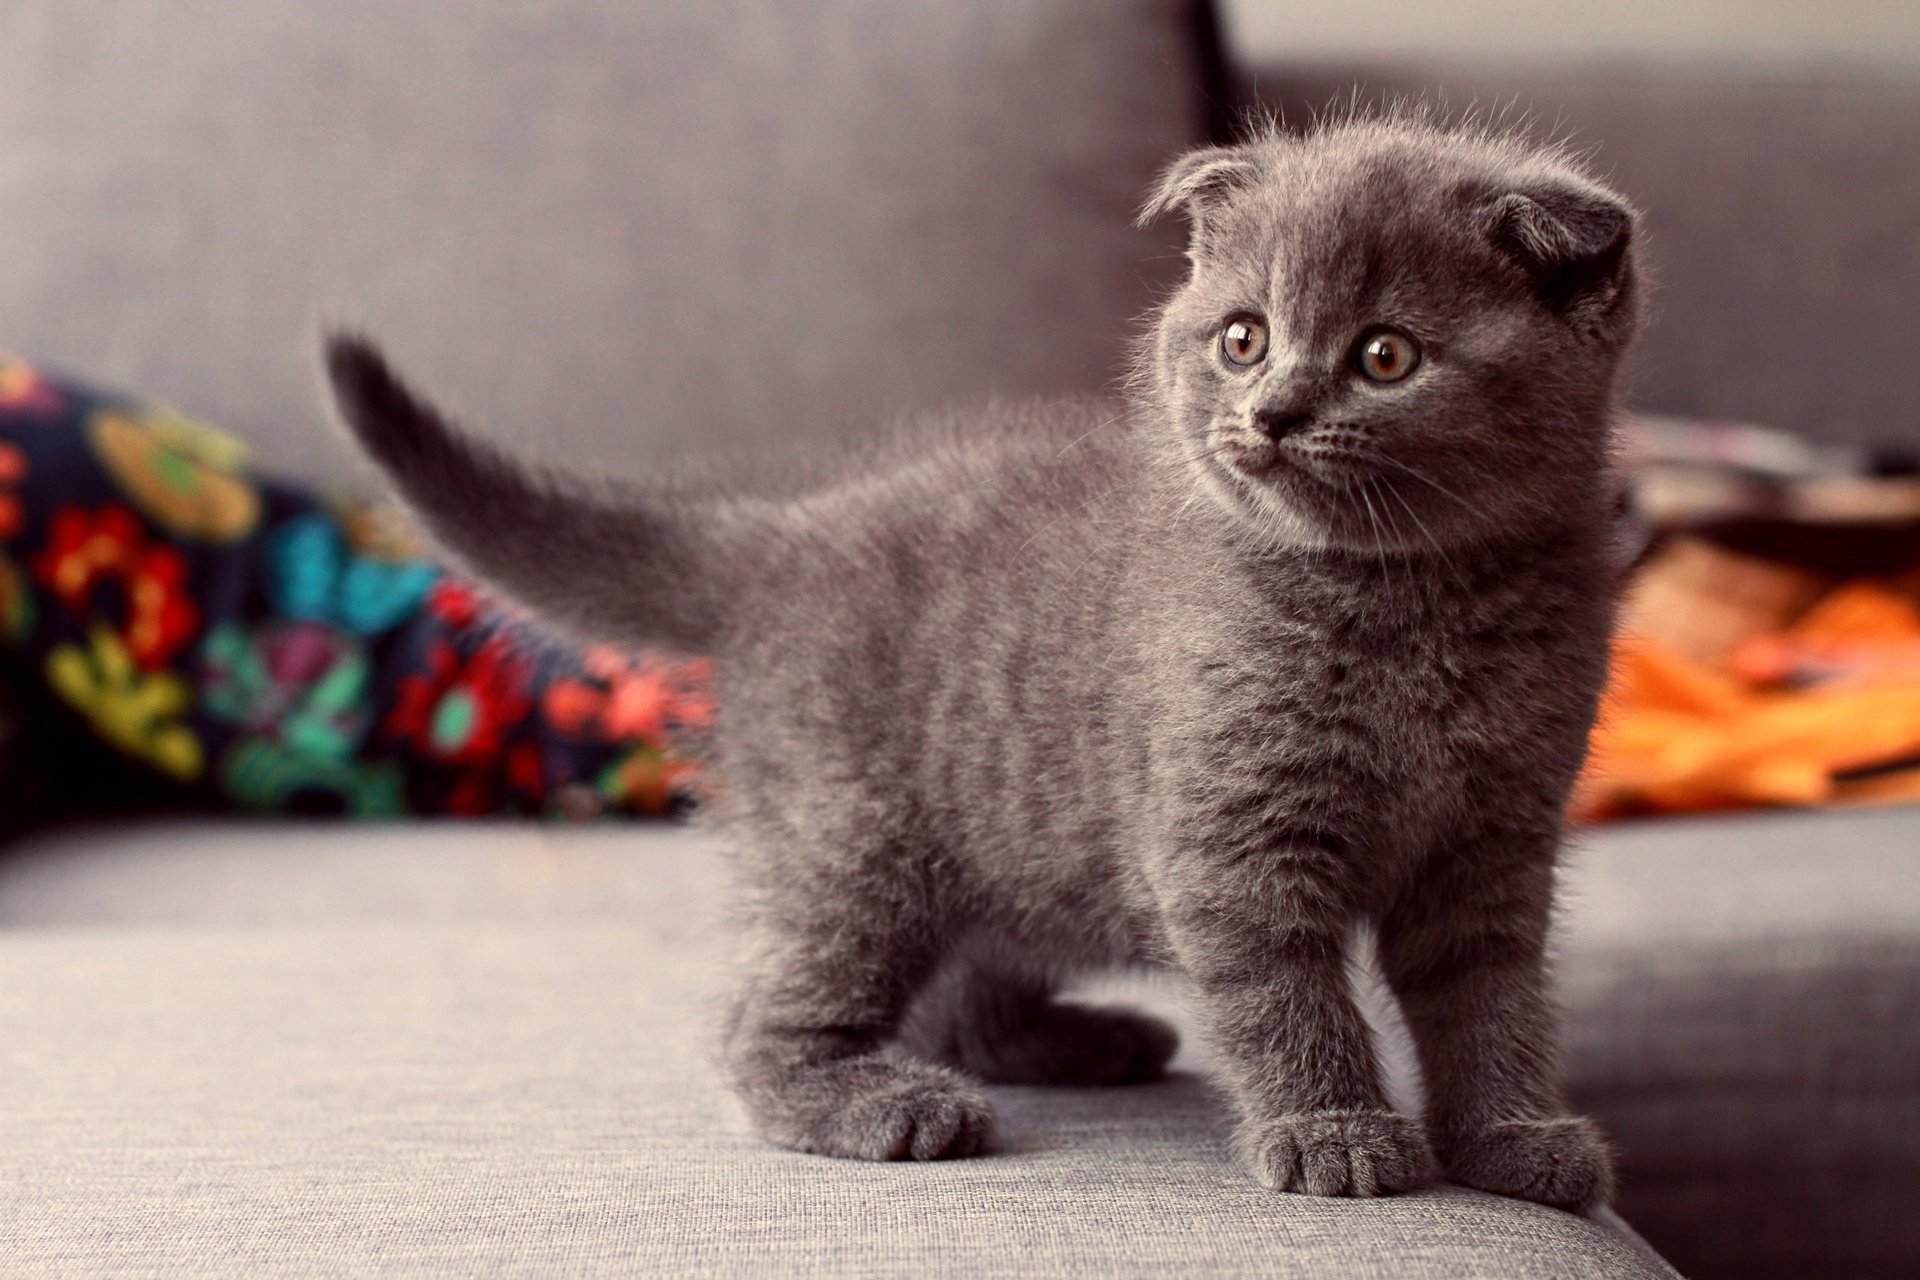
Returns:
<point x="1307" y="638"/>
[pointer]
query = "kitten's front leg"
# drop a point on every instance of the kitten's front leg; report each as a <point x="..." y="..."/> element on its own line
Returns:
<point x="841" y="939"/>
<point x="1263" y="940"/>
<point x="1465" y="950"/>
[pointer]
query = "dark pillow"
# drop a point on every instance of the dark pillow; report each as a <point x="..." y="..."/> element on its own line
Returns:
<point x="261" y="647"/>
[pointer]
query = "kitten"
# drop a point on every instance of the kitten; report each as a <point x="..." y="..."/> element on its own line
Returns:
<point x="1309" y="636"/>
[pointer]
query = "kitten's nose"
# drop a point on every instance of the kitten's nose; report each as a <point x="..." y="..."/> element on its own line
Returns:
<point x="1276" y="424"/>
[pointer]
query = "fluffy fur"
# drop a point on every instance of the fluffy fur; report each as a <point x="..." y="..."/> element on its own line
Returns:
<point x="1208" y="681"/>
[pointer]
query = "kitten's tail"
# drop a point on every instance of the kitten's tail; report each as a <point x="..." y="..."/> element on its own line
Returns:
<point x="626" y="566"/>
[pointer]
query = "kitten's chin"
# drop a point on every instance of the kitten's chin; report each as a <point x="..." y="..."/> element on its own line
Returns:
<point x="1293" y="503"/>
<point x="1259" y="499"/>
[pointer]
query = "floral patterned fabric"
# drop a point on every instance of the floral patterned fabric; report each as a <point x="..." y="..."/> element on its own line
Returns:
<point x="287" y="653"/>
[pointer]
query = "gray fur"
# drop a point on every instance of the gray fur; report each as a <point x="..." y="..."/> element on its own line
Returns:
<point x="1090" y="687"/>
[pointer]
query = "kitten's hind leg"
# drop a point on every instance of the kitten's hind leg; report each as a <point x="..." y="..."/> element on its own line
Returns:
<point x="1011" y="1030"/>
<point x="810" y="1048"/>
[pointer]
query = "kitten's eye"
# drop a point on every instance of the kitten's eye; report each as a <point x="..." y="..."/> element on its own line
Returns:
<point x="1243" y="340"/>
<point x="1386" y="355"/>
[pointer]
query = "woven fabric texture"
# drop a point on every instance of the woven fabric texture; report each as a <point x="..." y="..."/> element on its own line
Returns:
<point x="524" y="1085"/>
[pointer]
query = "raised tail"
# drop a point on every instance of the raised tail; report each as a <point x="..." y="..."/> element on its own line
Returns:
<point x="620" y="565"/>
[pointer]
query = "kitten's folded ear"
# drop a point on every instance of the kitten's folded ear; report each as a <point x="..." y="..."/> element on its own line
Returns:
<point x="1575" y="244"/>
<point x="1198" y="183"/>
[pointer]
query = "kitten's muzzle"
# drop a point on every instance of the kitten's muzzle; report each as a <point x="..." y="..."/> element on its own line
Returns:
<point x="1278" y="424"/>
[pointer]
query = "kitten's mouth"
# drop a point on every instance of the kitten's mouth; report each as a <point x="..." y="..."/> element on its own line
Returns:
<point x="1333" y="489"/>
<point x="1290" y="466"/>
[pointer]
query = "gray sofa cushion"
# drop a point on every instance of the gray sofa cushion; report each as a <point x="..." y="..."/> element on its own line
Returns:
<point x="1743" y="993"/>
<point x="1746" y="1016"/>
<point x="617" y="232"/>
<point x="260" y="1049"/>
<point x="1780" y="206"/>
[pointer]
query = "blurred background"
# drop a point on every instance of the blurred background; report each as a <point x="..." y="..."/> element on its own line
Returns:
<point x="736" y="234"/>
<point x="1739" y="36"/>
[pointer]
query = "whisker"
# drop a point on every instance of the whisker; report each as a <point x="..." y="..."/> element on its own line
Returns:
<point x="1222" y="447"/>
<point x="1421" y="476"/>
<point x="1453" y="566"/>
<point x="1098" y="426"/>
<point x="1379" y="542"/>
<point x="1378" y="484"/>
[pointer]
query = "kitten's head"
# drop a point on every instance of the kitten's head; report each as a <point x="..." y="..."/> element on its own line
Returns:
<point x="1395" y="334"/>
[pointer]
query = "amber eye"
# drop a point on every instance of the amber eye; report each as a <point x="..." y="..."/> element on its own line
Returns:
<point x="1243" y="340"/>
<point x="1386" y="355"/>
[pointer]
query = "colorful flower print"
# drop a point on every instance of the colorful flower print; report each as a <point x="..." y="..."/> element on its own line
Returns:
<point x="455" y="603"/>
<point x="624" y="698"/>
<point x="378" y="533"/>
<point x="188" y="477"/>
<point x="262" y="774"/>
<point x="22" y="387"/>
<point x="135" y="711"/>
<point x="515" y="782"/>
<point x="462" y="604"/>
<point x="16" y="601"/>
<point x="85" y="548"/>
<point x="458" y="714"/>
<point x="458" y="711"/>
<point x="298" y="683"/>
<point x="313" y="575"/>
<point x="13" y="512"/>
<point x="297" y="654"/>
<point x="646" y="780"/>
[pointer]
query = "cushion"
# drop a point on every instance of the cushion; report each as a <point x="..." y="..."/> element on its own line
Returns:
<point x="617" y="233"/>
<point x="1741" y="992"/>
<point x="1744" y="1013"/>
<point x="488" y="1050"/>
<point x="261" y="645"/>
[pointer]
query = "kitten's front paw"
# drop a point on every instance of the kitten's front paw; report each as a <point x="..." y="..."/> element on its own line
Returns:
<point x="878" y="1108"/>
<point x="1564" y="1162"/>
<point x="1338" y="1153"/>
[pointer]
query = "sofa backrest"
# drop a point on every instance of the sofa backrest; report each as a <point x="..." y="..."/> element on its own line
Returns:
<point x="612" y="232"/>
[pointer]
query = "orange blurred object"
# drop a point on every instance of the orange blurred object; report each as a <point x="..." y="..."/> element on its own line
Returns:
<point x="1825" y="710"/>
<point x="1701" y="600"/>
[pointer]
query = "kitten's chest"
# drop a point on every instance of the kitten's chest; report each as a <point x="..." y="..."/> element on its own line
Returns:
<point x="1395" y="721"/>
<point x="1396" y="709"/>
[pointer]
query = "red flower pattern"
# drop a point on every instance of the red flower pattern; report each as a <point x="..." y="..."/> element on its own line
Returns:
<point x="458" y="711"/>
<point x="13" y="513"/>
<point x="85" y="548"/>
<point x="631" y="698"/>
<point x="454" y="602"/>
<point x="460" y="604"/>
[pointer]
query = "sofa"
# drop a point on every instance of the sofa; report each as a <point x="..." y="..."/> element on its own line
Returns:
<point x="721" y="238"/>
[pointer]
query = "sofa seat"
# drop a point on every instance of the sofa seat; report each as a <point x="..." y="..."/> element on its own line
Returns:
<point x="264" y="1048"/>
<point x="1744" y="1013"/>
